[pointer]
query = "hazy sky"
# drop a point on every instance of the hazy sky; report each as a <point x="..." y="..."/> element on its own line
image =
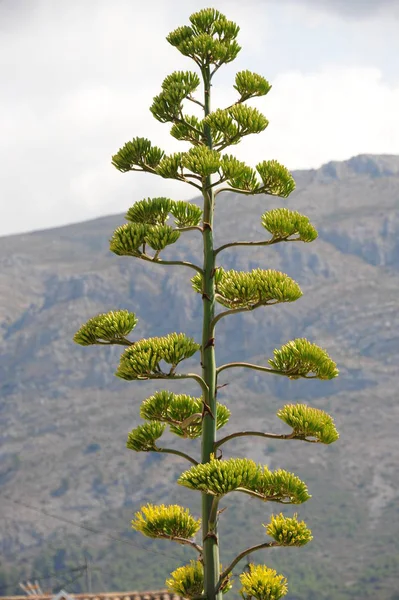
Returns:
<point x="78" y="77"/>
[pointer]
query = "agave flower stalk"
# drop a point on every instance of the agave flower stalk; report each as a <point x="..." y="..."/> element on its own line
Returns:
<point x="210" y="41"/>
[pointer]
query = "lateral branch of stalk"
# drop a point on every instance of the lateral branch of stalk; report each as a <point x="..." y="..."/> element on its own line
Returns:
<point x="233" y="311"/>
<point x="171" y="375"/>
<point x="240" y="556"/>
<point x="176" y="452"/>
<point x="274" y="240"/>
<point x="260" y="190"/>
<point x="263" y="369"/>
<point x="183" y="541"/>
<point x="158" y="261"/>
<point x="183" y="177"/>
<point x="273" y="436"/>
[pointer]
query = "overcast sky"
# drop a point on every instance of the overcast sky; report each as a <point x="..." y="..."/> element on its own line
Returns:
<point x="78" y="77"/>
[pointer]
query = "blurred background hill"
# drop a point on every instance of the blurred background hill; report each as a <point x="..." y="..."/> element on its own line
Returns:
<point x="65" y="416"/>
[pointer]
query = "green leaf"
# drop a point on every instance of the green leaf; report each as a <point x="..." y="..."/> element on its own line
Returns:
<point x="142" y="360"/>
<point x="262" y="583"/>
<point x="301" y="358"/>
<point x="112" y="327"/>
<point x="143" y="437"/>
<point x="309" y="422"/>
<point x="137" y="153"/>
<point x="283" y="223"/>
<point x="171" y="521"/>
<point x="288" y="531"/>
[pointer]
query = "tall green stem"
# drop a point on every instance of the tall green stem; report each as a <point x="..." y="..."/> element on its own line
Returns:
<point x="209" y="530"/>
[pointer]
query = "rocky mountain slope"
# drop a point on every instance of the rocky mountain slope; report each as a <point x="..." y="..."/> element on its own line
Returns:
<point x="65" y="417"/>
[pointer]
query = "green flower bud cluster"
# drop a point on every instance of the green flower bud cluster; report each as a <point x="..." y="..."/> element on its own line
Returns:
<point x="240" y="289"/>
<point x="262" y="583"/>
<point x="201" y="160"/>
<point x="148" y="225"/>
<point x="186" y="214"/>
<point x="301" y="358"/>
<point x="309" y="422"/>
<point x="143" y="437"/>
<point x="166" y="521"/>
<point x="239" y="175"/>
<point x="288" y="531"/>
<point x="188" y="581"/>
<point x="137" y="153"/>
<point x="142" y="360"/>
<point x="281" y="486"/>
<point x="189" y="129"/>
<point x="283" y="223"/>
<point x="219" y="477"/>
<point x="229" y="125"/>
<point x="209" y="40"/>
<point x="249" y="85"/>
<point x="160" y="236"/>
<point x="276" y="179"/>
<point x="111" y="327"/>
<point x="155" y="211"/>
<point x="167" y="106"/>
<point x="170" y="167"/>
<point x="176" y="409"/>
<point x="150" y="211"/>
<point x="129" y="239"/>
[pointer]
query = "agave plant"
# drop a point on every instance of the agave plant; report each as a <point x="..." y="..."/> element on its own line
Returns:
<point x="210" y="40"/>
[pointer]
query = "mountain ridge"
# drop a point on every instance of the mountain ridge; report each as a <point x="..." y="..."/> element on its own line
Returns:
<point x="65" y="417"/>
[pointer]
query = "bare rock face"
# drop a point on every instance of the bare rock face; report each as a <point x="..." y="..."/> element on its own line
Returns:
<point x="65" y="417"/>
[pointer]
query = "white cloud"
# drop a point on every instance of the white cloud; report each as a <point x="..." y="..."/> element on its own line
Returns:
<point x="81" y="79"/>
